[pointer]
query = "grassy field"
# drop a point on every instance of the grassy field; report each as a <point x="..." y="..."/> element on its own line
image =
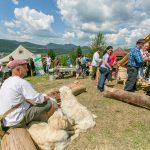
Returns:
<point x="119" y="126"/>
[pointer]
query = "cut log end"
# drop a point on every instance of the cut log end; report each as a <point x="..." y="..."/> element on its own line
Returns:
<point x="17" y="139"/>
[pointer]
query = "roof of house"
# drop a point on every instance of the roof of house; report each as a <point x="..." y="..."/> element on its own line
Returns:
<point x="19" y="53"/>
<point x="120" y="52"/>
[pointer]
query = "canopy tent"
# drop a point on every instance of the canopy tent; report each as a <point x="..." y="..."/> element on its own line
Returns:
<point x="18" y="53"/>
<point x="119" y="52"/>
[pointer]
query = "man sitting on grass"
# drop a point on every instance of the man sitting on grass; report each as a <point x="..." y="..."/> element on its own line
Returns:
<point x="17" y="92"/>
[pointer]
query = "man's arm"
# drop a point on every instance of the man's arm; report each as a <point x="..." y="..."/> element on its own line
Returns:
<point x="29" y="93"/>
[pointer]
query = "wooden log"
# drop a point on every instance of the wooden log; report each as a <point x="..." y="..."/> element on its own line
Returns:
<point x="76" y="87"/>
<point x="97" y="75"/>
<point x="147" y="39"/>
<point x="17" y="139"/>
<point x="123" y="61"/>
<point x="138" y="99"/>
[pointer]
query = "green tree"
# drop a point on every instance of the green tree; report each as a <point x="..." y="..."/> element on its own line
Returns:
<point x="97" y="43"/>
<point x="73" y="55"/>
<point x="51" y="53"/>
<point x="63" y="60"/>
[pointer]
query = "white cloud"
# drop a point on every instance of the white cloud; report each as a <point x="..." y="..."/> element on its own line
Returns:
<point x="9" y="24"/>
<point x="121" y="22"/>
<point x="69" y="35"/>
<point x="16" y="2"/>
<point x="30" y="23"/>
<point x="33" y="19"/>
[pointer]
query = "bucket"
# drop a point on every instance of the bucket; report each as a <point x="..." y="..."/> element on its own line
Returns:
<point x="122" y="73"/>
<point x="51" y="77"/>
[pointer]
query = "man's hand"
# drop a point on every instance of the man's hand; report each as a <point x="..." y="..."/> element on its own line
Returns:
<point x="146" y="59"/>
<point x="53" y="108"/>
<point x="46" y="98"/>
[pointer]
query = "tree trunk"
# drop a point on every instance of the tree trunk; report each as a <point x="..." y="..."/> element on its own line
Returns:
<point x="17" y="139"/>
<point x="138" y="99"/>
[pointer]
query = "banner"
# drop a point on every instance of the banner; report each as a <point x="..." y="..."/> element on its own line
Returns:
<point x="38" y="64"/>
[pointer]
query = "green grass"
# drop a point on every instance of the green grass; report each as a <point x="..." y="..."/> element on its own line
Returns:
<point x="119" y="126"/>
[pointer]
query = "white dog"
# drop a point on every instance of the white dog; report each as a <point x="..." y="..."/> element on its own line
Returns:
<point x="76" y="113"/>
<point x="51" y="136"/>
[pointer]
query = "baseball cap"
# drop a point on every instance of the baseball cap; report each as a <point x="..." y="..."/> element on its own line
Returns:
<point x="17" y="62"/>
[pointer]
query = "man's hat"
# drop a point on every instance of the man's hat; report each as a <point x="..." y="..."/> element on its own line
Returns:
<point x="17" y="62"/>
<point x="140" y="41"/>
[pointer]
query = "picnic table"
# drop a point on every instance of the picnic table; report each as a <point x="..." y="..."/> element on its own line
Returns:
<point x="61" y="71"/>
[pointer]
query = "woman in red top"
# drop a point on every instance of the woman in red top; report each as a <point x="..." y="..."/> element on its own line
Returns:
<point x="112" y="61"/>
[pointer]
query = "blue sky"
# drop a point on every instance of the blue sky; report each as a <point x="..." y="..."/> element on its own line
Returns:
<point x="74" y="21"/>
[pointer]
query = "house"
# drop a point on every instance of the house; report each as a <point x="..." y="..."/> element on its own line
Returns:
<point x="120" y="53"/>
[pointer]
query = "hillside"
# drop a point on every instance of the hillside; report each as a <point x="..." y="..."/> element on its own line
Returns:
<point x="8" y="46"/>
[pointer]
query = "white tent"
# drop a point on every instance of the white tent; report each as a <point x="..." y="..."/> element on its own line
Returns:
<point x="18" y="53"/>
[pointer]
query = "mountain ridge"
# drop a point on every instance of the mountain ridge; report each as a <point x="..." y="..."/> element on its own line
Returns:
<point x="7" y="46"/>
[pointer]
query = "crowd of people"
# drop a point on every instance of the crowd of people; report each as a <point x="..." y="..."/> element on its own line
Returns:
<point x="105" y="66"/>
<point x="138" y="57"/>
<point x="17" y="111"/>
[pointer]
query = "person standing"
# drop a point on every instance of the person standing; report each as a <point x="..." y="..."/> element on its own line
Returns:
<point x="56" y="62"/>
<point x="78" y="66"/>
<point x="48" y="62"/>
<point x="135" y="61"/>
<point x="112" y="58"/>
<point x="32" y="66"/>
<point x="10" y="60"/>
<point x="69" y="62"/>
<point x="144" y="52"/>
<point x="104" y="69"/>
<point x="95" y="63"/>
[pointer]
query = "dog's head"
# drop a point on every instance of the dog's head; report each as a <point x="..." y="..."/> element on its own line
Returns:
<point x="64" y="91"/>
<point x="58" y="120"/>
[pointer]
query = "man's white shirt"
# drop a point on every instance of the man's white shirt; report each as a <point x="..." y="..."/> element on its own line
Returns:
<point x="96" y="59"/>
<point x="48" y="60"/>
<point x="16" y="90"/>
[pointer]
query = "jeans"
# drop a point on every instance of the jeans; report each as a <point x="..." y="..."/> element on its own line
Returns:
<point x="132" y="78"/>
<point x="104" y="73"/>
<point x="47" y="68"/>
